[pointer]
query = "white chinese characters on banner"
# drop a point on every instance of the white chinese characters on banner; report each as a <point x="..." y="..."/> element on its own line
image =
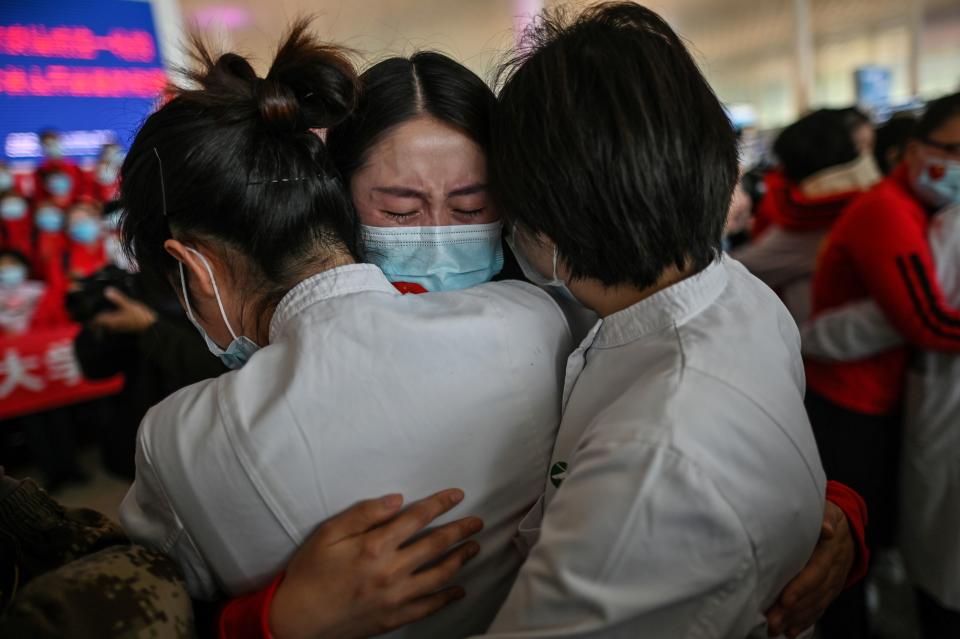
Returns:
<point x="62" y="365"/>
<point x="17" y="372"/>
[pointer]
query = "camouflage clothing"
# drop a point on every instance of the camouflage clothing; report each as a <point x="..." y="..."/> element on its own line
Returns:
<point x="70" y="573"/>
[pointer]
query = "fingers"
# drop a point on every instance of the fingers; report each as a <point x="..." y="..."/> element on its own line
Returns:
<point x="418" y="516"/>
<point x="358" y="519"/>
<point x="424" y="607"/>
<point x="108" y="320"/>
<point x="117" y="297"/>
<point x="438" y="542"/>
<point x="436" y="577"/>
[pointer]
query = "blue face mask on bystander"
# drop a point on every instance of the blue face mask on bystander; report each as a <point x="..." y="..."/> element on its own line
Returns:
<point x="939" y="182"/>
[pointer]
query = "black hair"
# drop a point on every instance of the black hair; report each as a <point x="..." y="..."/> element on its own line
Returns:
<point x="399" y="89"/>
<point x="48" y="133"/>
<point x="608" y="140"/>
<point x="816" y="142"/>
<point x="236" y="161"/>
<point x="936" y="115"/>
<point x="892" y="138"/>
<point x="17" y="255"/>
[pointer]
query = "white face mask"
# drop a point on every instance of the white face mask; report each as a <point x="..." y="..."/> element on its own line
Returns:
<point x="241" y="348"/>
<point x="528" y="269"/>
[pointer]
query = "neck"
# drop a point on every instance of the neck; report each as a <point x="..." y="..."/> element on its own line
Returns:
<point x="262" y="322"/>
<point x="607" y="300"/>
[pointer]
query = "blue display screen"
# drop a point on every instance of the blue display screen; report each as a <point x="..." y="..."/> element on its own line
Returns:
<point x="89" y="69"/>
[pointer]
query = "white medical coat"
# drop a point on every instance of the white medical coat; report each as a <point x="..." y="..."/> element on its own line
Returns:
<point x="690" y="488"/>
<point x="929" y="528"/>
<point x="361" y="392"/>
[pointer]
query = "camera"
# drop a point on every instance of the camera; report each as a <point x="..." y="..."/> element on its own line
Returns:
<point x="87" y="299"/>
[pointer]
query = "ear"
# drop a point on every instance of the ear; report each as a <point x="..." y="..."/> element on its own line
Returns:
<point x="195" y="271"/>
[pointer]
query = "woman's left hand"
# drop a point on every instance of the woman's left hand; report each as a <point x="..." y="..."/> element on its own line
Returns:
<point x="807" y="596"/>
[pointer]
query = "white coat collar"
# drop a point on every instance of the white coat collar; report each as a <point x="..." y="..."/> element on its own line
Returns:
<point x="336" y="282"/>
<point x="669" y="307"/>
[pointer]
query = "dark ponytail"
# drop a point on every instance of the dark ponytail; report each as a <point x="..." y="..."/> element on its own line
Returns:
<point x="236" y="160"/>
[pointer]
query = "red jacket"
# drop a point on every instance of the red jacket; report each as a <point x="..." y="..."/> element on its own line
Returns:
<point x="18" y="235"/>
<point x="83" y="260"/>
<point x="80" y="182"/>
<point x="878" y="249"/>
<point x="785" y="205"/>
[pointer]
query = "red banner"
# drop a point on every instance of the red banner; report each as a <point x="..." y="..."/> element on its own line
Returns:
<point x="39" y="371"/>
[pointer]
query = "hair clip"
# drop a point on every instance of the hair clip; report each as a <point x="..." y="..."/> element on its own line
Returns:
<point x="163" y="188"/>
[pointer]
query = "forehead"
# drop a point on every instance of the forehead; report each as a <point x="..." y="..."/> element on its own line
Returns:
<point x="949" y="132"/>
<point x="427" y="150"/>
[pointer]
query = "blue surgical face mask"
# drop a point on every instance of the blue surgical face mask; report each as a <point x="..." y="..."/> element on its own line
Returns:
<point x="6" y="180"/>
<point x="13" y="208"/>
<point x="239" y="351"/>
<point x="13" y="275"/>
<point x="531" y="273"/>
<point x="59" y="184"/>
<point x="939" y="182"/>
<point x="85" y="231"/>
<point x="438" y="258"/>
<point x="49" y="219"/>
<point x="53" y="149"/>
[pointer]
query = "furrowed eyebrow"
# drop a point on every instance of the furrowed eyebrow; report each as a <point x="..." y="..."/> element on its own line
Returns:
<point x="399" y="191"/>
<point x="468" y="190"/>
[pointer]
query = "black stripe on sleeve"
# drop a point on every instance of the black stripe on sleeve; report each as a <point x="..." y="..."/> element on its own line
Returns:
<point x="934" y="328"/>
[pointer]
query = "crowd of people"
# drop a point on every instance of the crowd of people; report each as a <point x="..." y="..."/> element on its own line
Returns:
<point x="540" y="298"/>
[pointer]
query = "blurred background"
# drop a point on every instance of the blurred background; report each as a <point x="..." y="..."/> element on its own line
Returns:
<point x="79" y="367"/>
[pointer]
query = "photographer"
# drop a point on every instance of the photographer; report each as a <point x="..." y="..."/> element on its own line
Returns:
<point x="134" y="325"/>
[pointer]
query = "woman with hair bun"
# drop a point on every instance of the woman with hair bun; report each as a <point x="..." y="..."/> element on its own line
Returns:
<point x="343" y="387"/>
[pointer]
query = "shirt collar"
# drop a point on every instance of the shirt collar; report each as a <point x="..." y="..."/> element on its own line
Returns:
<point x="330" y="284"/>
<point x="669" y="307"/>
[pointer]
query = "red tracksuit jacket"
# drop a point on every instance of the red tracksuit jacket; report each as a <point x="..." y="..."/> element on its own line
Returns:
<point x="878" y="249"/>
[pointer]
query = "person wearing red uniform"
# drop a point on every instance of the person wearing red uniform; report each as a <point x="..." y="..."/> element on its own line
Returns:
<point x="878" y="250"/>
<point x="85" y="248"/>
<point x="103" y="181"/>
<point x="822" y="170"/>
<point x="16" y="225"/>
<point x="57" y="177"/>
<point x="50" y="241"/>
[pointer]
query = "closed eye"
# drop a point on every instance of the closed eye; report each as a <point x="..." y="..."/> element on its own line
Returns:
<point x="470" y="212"/>
<point x="398" y="216"/>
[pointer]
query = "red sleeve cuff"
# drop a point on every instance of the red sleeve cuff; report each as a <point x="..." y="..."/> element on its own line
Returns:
<point x="855" y="509"/>
<point x="248" y="617"/>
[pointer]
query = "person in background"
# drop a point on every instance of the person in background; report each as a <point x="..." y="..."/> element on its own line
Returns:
<point x="16" y="224"/>
<point x="861" y="130"/>
<point x="892" y="139"/>
<point x="824" y="165"/>
<point x="27" y="304"/>
<point x="7" y="181"/>
<point x="50" y="240"/>
<point x="85" y="253"/>
<point x="879" y="250"/>
<point x="57" y="177"/>
<point x="103" y="187"/>
<point x="929" y="522"/>
<point x="152" y="343"/>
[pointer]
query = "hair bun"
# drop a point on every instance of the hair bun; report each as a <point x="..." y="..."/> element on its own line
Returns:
<point x="310" y="85"/>
<point x="278" y="106"/>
